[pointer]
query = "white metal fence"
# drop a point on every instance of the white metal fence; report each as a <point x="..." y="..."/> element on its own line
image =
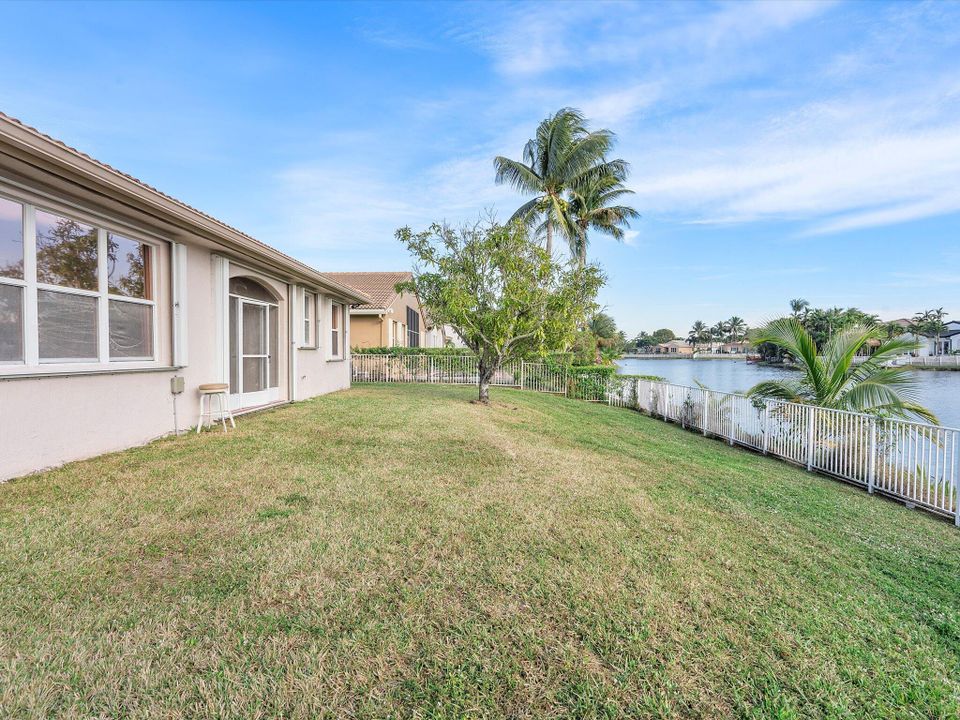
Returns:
<point x="914" y="462"/>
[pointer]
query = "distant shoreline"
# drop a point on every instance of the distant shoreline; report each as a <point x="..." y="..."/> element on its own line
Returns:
<point x="676" y="356"/>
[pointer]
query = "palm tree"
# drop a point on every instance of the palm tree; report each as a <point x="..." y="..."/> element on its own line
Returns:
<point x="929" y="323"/>
<point x="698" y="333"/>
<point x="718" y="332"/>
<point x="830" y="378"/>
<point x="737" y="328"/>
<point x="799" y="307"/>
<point x="590" y="208"/>
<point x="562" y="157"/>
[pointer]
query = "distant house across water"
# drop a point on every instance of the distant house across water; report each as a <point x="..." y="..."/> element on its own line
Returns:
<point x="674" y="347"/>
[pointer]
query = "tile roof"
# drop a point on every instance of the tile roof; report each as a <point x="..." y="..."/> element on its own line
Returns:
<point x="4" y="118"/>
<point x="378" y="286"/>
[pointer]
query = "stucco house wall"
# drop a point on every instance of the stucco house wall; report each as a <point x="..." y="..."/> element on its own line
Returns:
<point x="54" y="413"/>
<point x="368" y="330"/>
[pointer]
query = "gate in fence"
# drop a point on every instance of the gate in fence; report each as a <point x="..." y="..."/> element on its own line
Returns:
<point x="911" y="461"/>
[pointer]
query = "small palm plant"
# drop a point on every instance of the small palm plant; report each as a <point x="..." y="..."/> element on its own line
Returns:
<point x="831" y="379"/>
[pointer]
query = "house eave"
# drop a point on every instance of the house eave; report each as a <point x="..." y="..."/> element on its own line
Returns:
<point x="48" y="156"/>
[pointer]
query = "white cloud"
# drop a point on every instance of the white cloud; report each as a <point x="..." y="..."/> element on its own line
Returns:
<point x="540" y="38"/>
<point x="844" y="165"/>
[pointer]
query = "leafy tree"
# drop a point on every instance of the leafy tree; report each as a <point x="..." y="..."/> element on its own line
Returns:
<point x="644" y="341"/>
<point x="824" y="323"/>
<point x="502" y="293"/>
<point x="831" y="379"/>
<point x="662" y="336"/>
<point x="603" y="326"/>
<point x="563" y="157"/>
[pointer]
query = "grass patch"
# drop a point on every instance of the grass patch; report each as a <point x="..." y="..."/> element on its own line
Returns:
<point x="397" y="551"/>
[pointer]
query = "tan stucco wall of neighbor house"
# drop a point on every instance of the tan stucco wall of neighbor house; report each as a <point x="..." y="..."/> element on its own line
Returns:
<point x="368" y="330"/>
<point x="55" y="414"/>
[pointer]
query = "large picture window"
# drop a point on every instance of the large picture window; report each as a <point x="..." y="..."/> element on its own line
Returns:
<point x="88" y="293"/>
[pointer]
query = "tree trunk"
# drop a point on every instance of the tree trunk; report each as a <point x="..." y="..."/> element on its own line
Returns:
<point x="549" y="247"/>
<point x="485" y="372"/>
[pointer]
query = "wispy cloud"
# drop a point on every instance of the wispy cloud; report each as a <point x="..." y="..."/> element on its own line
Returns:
<point x="539" y="38"/>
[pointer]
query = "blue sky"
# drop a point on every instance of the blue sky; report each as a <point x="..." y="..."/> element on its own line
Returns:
<point x="777" y="149"/>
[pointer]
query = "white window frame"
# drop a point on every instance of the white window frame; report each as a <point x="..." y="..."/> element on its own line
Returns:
<point x="308" y="320"/>
<point x="336" y="310"/>
<point x="31" y="363"/>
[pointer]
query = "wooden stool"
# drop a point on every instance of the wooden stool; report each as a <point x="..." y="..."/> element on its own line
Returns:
<point x="209" y="391"/>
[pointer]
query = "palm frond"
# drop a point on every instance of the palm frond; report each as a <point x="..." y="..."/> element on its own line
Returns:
<point x="517" y="175"/>
<point x="527" y="213"/>
<point x="785" y="390"/>
<point x="790" y="335"/>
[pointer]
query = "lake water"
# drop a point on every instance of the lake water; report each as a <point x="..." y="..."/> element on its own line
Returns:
<point x="937" y="390"/>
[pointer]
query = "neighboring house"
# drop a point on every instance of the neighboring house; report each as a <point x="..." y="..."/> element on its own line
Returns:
<point x="451" y="338"/>
<point x="949" y="339"/>
<point x="390" y="319"/>
<point x="735" y="348"/>
<point x="112" y="293"/>
<point x="674" y="347"/>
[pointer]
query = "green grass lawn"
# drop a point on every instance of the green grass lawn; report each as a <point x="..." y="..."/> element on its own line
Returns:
<point x="396" y="551"/>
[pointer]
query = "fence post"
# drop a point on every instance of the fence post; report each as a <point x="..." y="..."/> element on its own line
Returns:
<point x="766" y="426"/>
<point x="811" y="435"/>
<point x="636" y="394"/>
<point x="872" y="471"/>
<point x="523" y="374"/>
<point x="430" y="376"/>
<point x="705" y="413"/>
<point x="733" y="417"/>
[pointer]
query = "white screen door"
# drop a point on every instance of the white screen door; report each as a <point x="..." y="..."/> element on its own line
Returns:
<point x="254" y="379"/>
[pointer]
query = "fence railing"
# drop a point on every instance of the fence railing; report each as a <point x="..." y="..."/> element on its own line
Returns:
<point x="914" y="462"/>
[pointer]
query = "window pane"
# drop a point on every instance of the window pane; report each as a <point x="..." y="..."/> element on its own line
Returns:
<point x="131" y="330"/>
<point x="68" y="326"/>
<point x="254" y="374"/>
<point x="251" y="289"/>
<point x="11" y="324"/>
<point x="11" y="239"/>
<point x="307" y="323"/>
<point x="128" y="267"/>
<point x="66" y="252"/>
<point x="254" y="330"/>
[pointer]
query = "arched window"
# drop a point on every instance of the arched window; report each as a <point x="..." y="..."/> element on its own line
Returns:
<point x="249" y="288"/>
